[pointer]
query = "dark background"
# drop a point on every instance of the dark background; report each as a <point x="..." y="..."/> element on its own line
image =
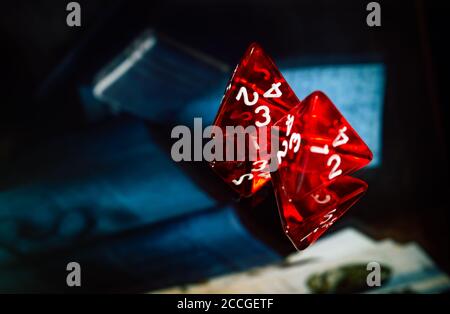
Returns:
<point x="44" y="62"/>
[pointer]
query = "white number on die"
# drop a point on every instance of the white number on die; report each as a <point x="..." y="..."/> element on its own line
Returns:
<point x="281" y="153"/>
<point x="320" y="150"/>
<point x="249" y="176"/>
<point x="263" y="164"/>
<point x="297" y="139"/>
<point x="266" y="115"/>
<point x="325" y="200"/>
<point x="243" y="92"/>
<point x="341" y="138"/>
<point x="274" y="91"/>
<point x="336" y="159"/>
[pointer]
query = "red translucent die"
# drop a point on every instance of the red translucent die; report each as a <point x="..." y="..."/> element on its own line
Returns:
<point x="257" y="95"/>
<point x="318" y="149"/>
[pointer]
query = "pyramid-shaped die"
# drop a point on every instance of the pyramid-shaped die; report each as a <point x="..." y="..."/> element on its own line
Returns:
<point x="257" y="95"/>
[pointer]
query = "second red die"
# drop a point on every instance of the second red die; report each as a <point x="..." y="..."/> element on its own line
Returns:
<point x="318" y="149"/>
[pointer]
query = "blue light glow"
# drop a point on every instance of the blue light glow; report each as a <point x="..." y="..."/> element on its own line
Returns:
<point x="357" y="90"/>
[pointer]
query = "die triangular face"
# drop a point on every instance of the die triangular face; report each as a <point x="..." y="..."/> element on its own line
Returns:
<point x="327" y="126"/>
<point x="257" y="73"/>
<point x="306" y="218"/>
<point x="330" y="147"/>
<point x="257" y="95"/>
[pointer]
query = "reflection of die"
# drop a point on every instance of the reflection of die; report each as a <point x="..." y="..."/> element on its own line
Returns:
<point x="257" y="95"/>
<point x="311" y="184"/>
